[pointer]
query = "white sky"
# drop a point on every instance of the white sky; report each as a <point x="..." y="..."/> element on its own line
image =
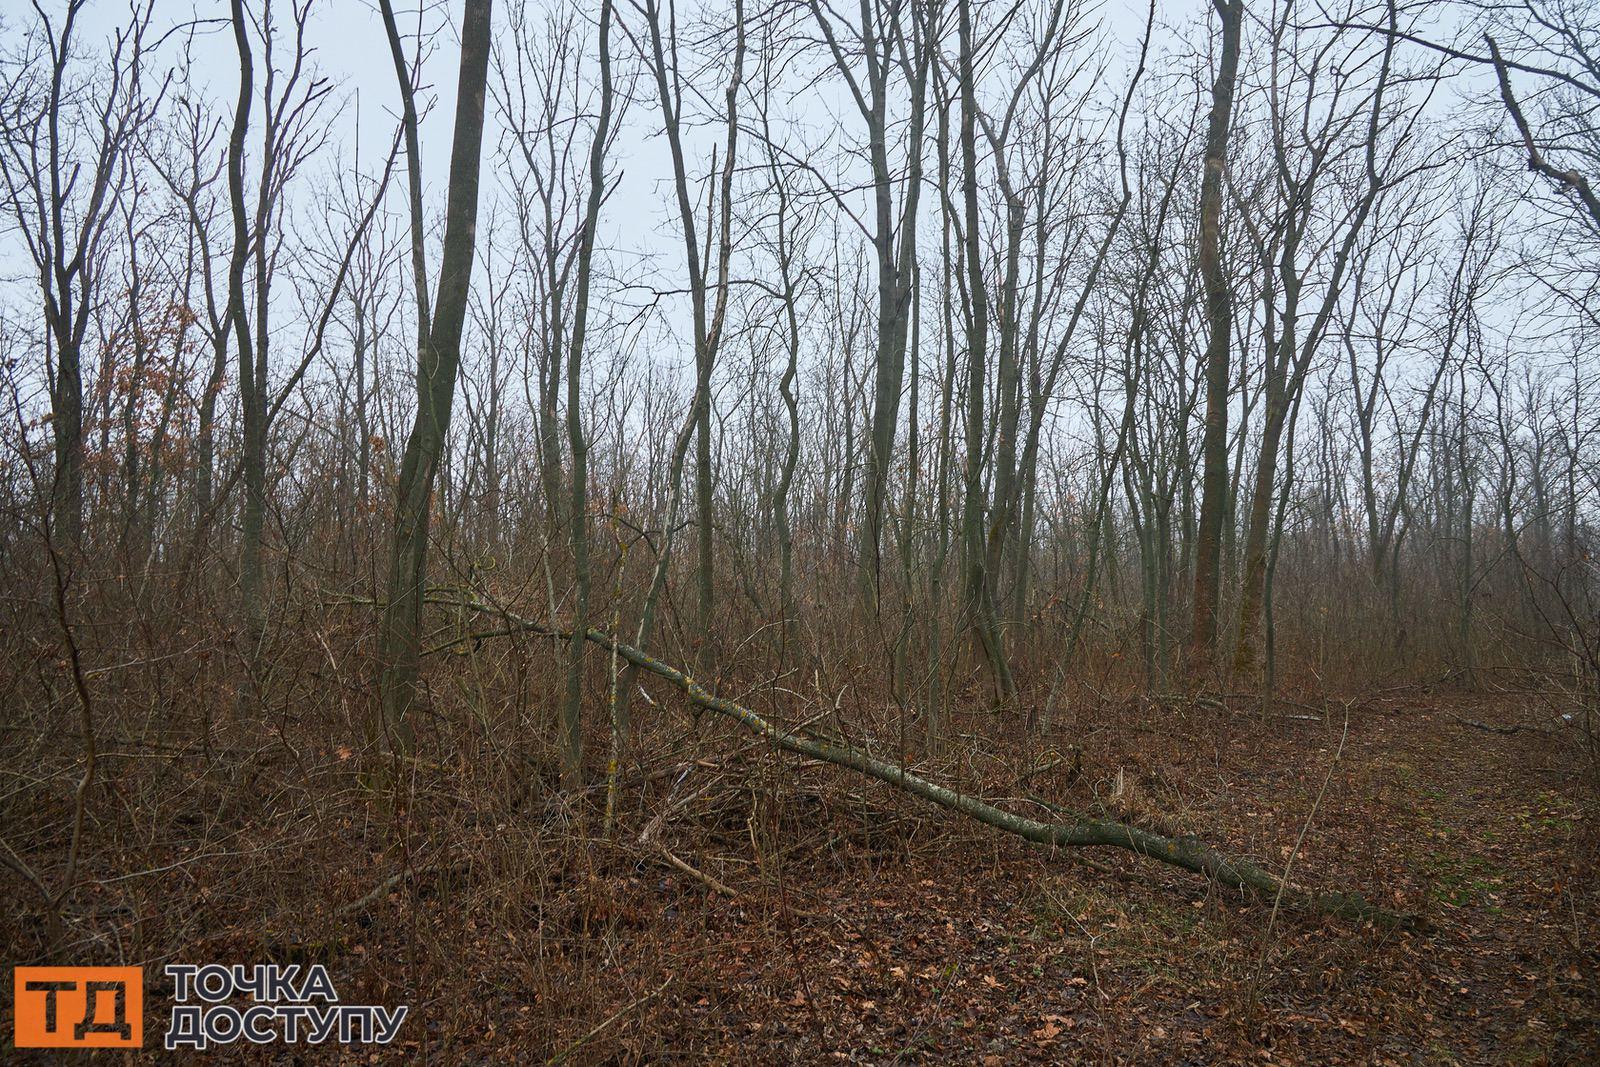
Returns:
<point x="349" y="47"/>
<point x="640" y="223"/>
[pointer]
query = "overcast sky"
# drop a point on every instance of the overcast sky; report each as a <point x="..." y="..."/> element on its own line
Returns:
<point x="350" y="48"/>
<point x="639" y="225"/>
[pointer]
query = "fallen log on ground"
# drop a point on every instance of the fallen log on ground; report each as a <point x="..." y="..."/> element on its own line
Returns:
<point x="1188" y="852"/>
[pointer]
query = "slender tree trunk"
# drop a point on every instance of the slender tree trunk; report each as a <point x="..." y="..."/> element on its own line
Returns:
<point x="253" y="462"/>
<point x="572" y="716"/>
<point x="438" y="360"/>
<point x="67" y="426"/>
<point x="1219" y="314"/>
<point x="979" y="593"/>
<point x="707" y="320"/>
<point x="786" y="388"/>
<point x="1253" y="581"/>
<point x="886" y="43"/>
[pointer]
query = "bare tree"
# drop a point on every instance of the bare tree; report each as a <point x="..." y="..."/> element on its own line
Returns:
<point x="576" y="440"/>
<point x="64" y="140"/>
<point x="979" y="592"/>
<point x="890" y="37"/>
<point x="439" y="329"/>
<point x="1219" y="315"/>
<point x="291" y="132"/>
<point x="708" y="300"/>
<point x="1303" y="159"/>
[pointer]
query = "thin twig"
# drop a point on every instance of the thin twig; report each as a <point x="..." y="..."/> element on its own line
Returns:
<point x="562" y="1056"/>
<point x="1305" y="828"/>
<point x="699" y="876"/>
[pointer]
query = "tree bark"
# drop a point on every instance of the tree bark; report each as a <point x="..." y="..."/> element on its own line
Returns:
<point x="1219" y="314"/>
<point x="572" y="715"/>
<point x="980" y="607"/>
<point x="438" y="359"/>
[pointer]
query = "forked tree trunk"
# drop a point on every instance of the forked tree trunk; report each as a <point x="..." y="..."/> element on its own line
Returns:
<point x="438" y="359"/>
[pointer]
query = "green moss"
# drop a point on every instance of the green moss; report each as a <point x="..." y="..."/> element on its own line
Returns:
<point x="1464" y="880"/>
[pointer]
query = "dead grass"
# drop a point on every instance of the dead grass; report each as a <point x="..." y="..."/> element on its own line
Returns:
<point x="862" y="925"/>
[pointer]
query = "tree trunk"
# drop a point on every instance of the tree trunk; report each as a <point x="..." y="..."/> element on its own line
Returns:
<point x="979" y="606"/>
<point x="572" y="715"/>
<point x="1219" y="315"/>
<point x="438" y="359"/>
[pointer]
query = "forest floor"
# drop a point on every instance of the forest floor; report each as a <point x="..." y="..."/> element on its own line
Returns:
<point x="904" y="936"/>
<point x="831" y="919"/>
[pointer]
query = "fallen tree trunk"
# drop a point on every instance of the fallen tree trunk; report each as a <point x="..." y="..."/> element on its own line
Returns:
<point x="1187" y="852"/>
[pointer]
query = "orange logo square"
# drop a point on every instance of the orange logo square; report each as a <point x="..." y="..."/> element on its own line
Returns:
<point x="78" y="1007"/>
